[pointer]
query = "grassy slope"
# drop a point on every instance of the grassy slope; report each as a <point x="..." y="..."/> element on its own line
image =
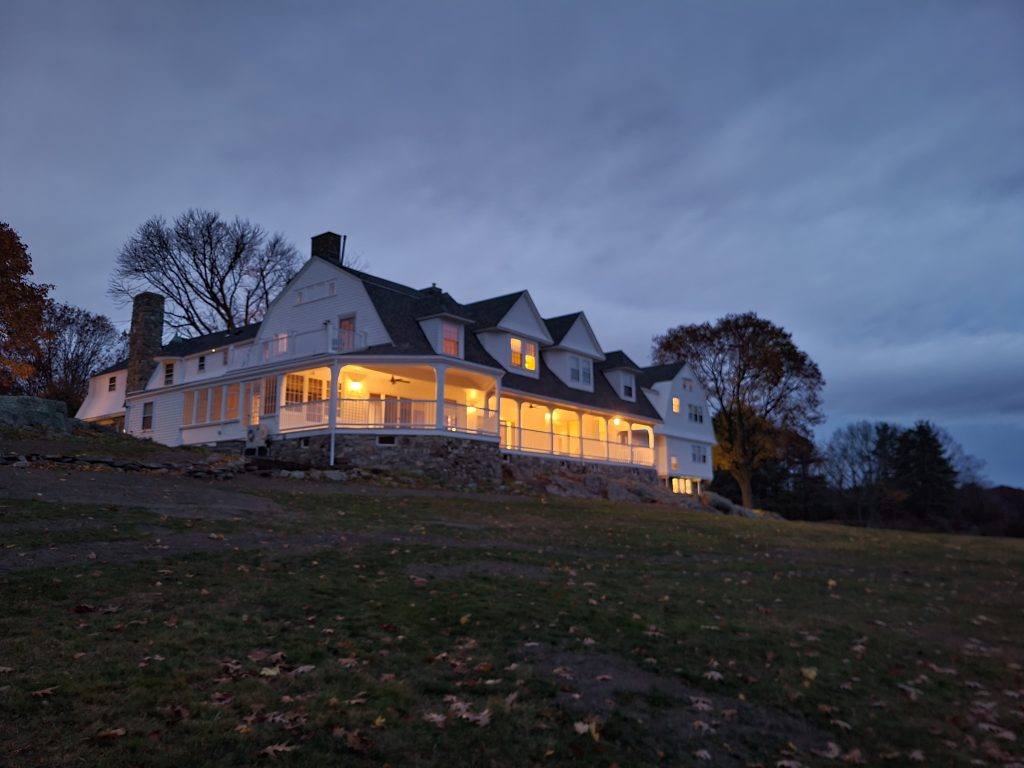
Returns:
<point x="811" y="629"/>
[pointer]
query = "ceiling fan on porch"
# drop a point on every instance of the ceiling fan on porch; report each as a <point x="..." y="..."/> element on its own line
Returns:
<point x="396" y="380"/>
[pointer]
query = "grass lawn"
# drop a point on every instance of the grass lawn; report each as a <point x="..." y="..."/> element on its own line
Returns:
<point x="443" y="631"/>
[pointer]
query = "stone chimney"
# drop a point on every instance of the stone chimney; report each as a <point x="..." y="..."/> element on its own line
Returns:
<point x="327" y="247"/>
<point x="145" y="339"/>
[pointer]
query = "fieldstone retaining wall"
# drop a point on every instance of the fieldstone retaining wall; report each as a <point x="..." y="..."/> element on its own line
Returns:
<point x="18" y="411"/>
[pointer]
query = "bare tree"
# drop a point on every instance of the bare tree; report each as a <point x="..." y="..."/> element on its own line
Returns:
<point x="215" y="274"/>
<point x="75" y="344"/>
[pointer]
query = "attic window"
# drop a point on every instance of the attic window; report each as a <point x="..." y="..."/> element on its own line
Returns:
<point x="628" y="383"/>
<point x="112" y="384"/>
<point x="168" y="374"/>
<point x="314" y="292"/>
<point x="580" y="369"/>
<point x="450" y="344"/>
<point x="202" y="362"/>
<point x="524" y="354"/>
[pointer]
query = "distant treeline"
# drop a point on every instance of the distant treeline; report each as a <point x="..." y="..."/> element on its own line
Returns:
<point x="887" y="476"/>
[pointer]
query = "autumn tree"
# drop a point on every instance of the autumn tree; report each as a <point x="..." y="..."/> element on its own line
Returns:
<point x="215" y="274"/>
<point x="21" y="311"/>
<point x="76" y="344"/>
<point x="760" y="385"/>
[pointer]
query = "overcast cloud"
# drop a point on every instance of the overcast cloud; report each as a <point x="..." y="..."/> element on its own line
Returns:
<point x="852" y="171"/>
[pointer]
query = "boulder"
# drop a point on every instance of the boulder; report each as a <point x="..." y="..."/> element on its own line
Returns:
<point x="49" y="415"/>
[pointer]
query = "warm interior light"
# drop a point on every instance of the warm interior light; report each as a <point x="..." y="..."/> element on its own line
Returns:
<point x="355" y="386"/>
<point x="547" y="417"/>
<point x="615" y="421"/>
<point x="471" y="394"/>
<point x="471" y="409"/>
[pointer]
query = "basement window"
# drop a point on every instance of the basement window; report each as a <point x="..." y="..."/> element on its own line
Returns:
<point x="385" y="440"/>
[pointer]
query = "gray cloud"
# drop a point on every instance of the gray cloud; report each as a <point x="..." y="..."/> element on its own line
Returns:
<point x="851" y="172"/>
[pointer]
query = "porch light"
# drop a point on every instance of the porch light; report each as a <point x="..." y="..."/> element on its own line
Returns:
<point x="355" y="386"/>
<point x="471" y="394"/>
<point x="471" y="410"/>
<point x="547" y="417"/>
<point x="616" y="421"/>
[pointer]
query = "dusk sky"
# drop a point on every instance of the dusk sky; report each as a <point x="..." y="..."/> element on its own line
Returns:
<point x="851" y="171"/>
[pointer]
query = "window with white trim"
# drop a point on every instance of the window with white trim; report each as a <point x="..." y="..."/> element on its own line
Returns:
<point x="202" y="405"/>
<point x="675" y="463"/>
<point x="293" y="386"/>
<point x="450" y="339"/>
<point x="202" y="362"/>
<point x="147" y="416"/>
<point x="628" y="386"/>
<point x="696" y="413"/>
<point x="675" y="405"/>
<point x="699" y="454"/>
<point x="580" y="369"/>
<point x="168" y="374"/>
<point x="688" y="385"/>
<point x="112" y="384"/>
<point x="270" y="395"/>
<point x="524" y="354"/>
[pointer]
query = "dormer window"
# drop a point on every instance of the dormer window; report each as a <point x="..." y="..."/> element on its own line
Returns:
<point x="580" y="369"/>
<point x="112" y="384"/>
<point x="524" y="354"/>
<point x="202" y="362"/>
<point x="628" y="386"/>
<point x="168" y="374"/>
<point x="450" y="339"/>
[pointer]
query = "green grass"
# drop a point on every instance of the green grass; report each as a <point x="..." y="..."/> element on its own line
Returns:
<point x="518" y="608"/>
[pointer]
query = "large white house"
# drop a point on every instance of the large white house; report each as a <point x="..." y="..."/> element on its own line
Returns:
<point x="341" y="353"/>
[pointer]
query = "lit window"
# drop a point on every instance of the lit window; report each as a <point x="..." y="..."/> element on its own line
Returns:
<point x="696" y="414"/>
<point x="202" y="362"/>
<point x="675" y="405"/>
<point x="202" y="405"/>
<point x="346" y="334"/>
<point x="216" y="398"/>
<point x="316" y="390"/>
<point x="524" y="354"/>
<point x="188" y="410"/>
<point x="293" y="385"/>
<point x="231" y="405"/>
<point x="147" y="416"/>
<point x="112" y="384"/>
<point x="675" y="463"/>
<point x="168" y="374"/>
<point x="270" y="395"/>
<point x="451" y="340"/>
<point x="675" y="485"/>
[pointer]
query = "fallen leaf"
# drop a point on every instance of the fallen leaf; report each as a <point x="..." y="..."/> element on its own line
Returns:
<point x="379" y="721"/>
<point x="276" y="749"/>
<point x="854" y="757"/>
<point x="809" y="674"/>
<point x="842" y="725"/>
<point x="830" y="752"/>
<point x="713" y="675"/>
<point x="917" y="756"/>
<point x="42" y="692"/>
<point x="221" y="697"/>
<point x="270" y="671"/>
<point x="435" y="719"/>
<point x="464" y="619"/>
<point x="111" y="733"/>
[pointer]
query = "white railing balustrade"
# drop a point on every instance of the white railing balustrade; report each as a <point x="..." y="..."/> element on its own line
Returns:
<point x="536" y="441"/>
<point x="390" y="413"/>
<point x="468" y="418"/>
<point x="309" y="415"/>
<point x="348" y="341"/>
<point x="291" y="346"/>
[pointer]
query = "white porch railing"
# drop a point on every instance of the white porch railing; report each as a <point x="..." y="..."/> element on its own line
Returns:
<point x="392" y="413"/>
<point x="536" y="441"/>
<point x="467" y="418"/>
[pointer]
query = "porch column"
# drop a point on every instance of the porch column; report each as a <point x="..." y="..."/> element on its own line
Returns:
<point x="519" y="425"/>
<point x="332" y="413"/>
<point x="439" y="373"/>
<point x="579" y="429"/>
<point x="328" y="328"/>
<point x="497" y="408"/>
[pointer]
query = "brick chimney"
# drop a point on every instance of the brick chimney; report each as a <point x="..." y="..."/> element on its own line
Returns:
<point x="328" y="247"/>
<point x="145" y="339"/>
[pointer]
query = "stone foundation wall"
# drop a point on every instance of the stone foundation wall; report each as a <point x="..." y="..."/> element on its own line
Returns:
<point x="443" y="461"/>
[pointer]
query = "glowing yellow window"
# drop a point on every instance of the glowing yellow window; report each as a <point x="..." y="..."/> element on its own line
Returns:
<point x="517" y="353"/>
<point x="675" y="405"/>
<point x="531" y="356"/>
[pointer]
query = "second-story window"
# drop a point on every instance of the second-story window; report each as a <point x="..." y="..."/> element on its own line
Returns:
<point x="112" y="384"/>
<point x="168" y="374"/>
<point x="675" y="405"/>
<point x="346" y="334"/>
<point x="580" y="369"/>
<point x="628" y="386"/>
<point x="450" y="344"/>
<point x="524" y="354"/>
<point x="696" y="414"/>
<point x="202" y="362"/>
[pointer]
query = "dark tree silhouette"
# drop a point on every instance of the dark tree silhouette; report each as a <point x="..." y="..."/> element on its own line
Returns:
<point x="21" y="312"/>
<point x="761" y="386"/>
<point x="215" y="274"/>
